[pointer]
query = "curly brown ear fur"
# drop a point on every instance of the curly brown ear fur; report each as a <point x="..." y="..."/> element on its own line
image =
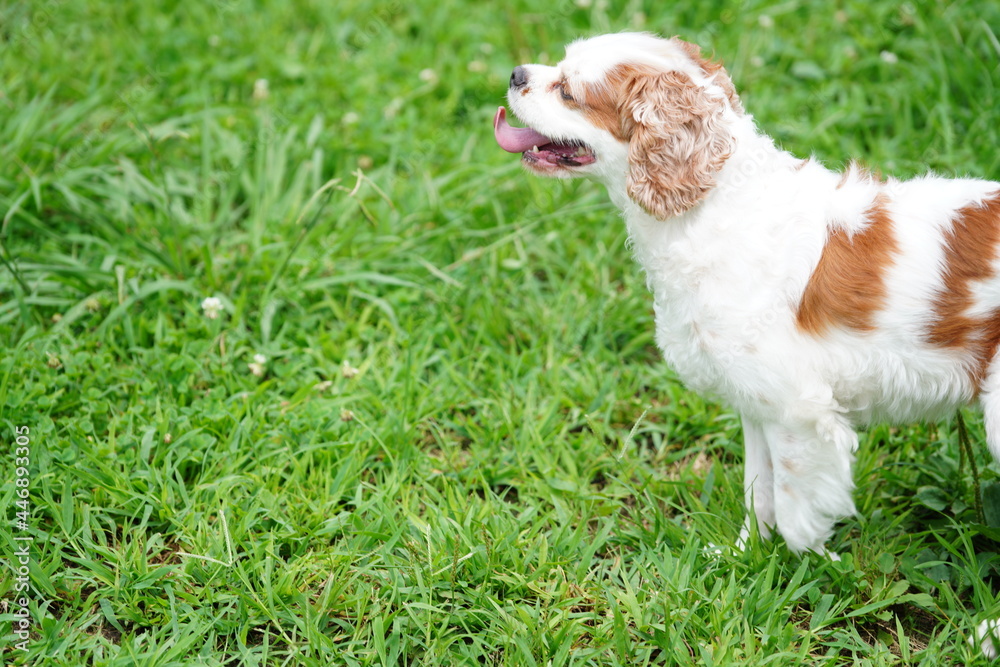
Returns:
<point x="678" y="142"/>
<point x="713" y="70"/>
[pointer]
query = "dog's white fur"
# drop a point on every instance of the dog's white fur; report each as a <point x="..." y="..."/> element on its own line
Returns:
<point x="729" y="266"/>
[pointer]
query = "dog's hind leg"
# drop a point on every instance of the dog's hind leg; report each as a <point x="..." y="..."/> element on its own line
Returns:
<point x="988" y="633"/>
<point x="989" y="398"/>
<point x="758" y="482"/>
<point x="812" y="479"/>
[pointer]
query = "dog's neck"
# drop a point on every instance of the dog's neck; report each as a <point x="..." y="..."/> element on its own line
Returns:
<point x="754" y="157"/>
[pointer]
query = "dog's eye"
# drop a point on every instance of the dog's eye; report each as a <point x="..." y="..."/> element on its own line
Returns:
<point x="562" y="92"/>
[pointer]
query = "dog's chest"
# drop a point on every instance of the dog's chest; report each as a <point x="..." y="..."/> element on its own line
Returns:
<point x="718" y="306"/>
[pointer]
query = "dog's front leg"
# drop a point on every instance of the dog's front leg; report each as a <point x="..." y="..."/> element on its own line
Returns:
<point x="758" y="482"/>
<point x="812" y="479"/>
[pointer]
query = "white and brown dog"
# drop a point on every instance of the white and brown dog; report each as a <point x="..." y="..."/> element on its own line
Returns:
<point x="813" y="302"/>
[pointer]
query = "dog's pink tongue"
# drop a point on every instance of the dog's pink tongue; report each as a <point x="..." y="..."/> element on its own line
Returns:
<point x="515" y="139"/>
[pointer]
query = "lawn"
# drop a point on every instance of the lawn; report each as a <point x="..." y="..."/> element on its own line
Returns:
<point x="300" y="368"/>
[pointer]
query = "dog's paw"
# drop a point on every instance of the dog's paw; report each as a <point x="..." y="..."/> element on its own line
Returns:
<point x="743" y="539"/>
<point x="986" y="637"/>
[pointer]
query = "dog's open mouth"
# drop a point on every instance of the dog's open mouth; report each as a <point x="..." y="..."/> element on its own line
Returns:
<point x="539" y="150"/>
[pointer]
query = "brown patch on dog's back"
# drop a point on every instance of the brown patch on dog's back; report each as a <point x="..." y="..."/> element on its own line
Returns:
<point x="847" y="286"/>
<point x="970" y="250"/>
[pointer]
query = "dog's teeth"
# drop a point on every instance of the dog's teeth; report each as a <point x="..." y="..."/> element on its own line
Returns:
<point x="534" y="149"/>
<point x="581" y="151"/>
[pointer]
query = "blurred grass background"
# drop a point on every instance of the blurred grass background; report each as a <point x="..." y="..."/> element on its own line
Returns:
<point x="461" y="446"/>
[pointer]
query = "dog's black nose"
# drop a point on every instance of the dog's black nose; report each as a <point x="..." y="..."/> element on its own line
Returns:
<point x="519" y="77"/>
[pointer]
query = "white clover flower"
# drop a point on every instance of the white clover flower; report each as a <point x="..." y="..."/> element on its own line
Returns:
<point x="350" y="118"/>
<point x="889" y="57"/>
<point x="211" y="306"/>
<point x="711" y="550"/>
<point x="428" y="75"/>
<point x="477" y="66"/>
<point x="765" y="21"/>
<point x="257" y="365"/>
<point x="348" y="370"/>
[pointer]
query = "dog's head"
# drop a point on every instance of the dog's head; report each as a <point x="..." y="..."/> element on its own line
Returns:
<point x="628" y="103"/>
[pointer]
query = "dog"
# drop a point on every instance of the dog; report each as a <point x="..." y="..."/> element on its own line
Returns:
<point x="811" y="301"/>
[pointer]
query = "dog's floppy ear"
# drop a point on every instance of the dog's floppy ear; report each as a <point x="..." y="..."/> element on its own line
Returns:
<point x="678" y="141"/>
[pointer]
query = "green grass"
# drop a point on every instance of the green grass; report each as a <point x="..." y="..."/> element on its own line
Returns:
<point x="512" y="476"/>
